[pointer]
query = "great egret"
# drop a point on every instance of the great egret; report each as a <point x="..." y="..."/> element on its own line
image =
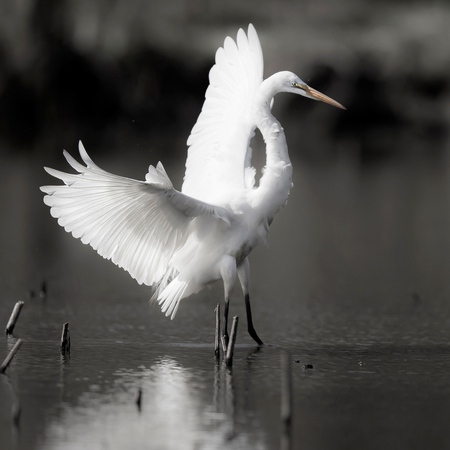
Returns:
<point x="176" y="241"/>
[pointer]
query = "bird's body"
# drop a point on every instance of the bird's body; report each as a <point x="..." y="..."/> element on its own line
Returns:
<point x="179" y="242"/>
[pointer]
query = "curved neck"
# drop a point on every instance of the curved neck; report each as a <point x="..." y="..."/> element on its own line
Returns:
<point x="271" y="129"/>
<point x="276" y="181"/>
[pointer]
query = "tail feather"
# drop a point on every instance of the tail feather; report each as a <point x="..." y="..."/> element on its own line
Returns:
<point x="169" y="298"/>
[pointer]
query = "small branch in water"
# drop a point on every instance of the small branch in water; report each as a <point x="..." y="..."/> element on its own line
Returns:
<point x="10" y="356"/>
<point x="65" y="339"/>
<point x="230" y="349"/>
<point x="217" y="336"/>
<point x="14" y="316"/>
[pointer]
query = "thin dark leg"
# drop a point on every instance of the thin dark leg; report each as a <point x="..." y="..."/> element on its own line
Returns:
<point x="225" y="337"/>
<point x="251" y="329"/>
<point x="217" y="335"/>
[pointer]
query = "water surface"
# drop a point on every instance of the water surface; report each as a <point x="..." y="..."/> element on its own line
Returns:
<point x="354" y="283"/>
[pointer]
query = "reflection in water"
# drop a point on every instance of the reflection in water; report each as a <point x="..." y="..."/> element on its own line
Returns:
<point x="14" y="403"/>
<point x="175" y="412"/>
<point x="169" y="412"/>
<point x="224" y="402"/>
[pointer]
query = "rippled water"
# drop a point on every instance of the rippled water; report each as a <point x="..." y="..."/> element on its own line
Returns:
<point x="355" y="283"/>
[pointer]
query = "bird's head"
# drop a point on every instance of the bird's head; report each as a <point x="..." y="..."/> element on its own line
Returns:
<point x="289" y="82"/>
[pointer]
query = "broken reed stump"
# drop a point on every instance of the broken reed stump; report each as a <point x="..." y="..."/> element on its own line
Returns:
<point x="65" y="339"/>
<point x="217" y="335"/>
<point x="286" y="392"/>
<point x="14" y="316"/>
<point x="230" y="348"/>
<point x="10" y="356"/>
<point x="43" y="291"/>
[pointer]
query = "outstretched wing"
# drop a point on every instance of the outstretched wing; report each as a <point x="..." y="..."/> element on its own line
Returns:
<point x="138" y="225"/>
<point x="219" y="155"/>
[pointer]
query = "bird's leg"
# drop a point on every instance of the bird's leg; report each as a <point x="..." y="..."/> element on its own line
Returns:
<point x="250" y="327"/>
<point x="228" y="273"/>
<point x="225" y="337"/>
<point x="243" y="271"/>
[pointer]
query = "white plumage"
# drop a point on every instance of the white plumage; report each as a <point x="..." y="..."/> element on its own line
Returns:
<point x="219" y="156"/>
<point x="179" y="242"/>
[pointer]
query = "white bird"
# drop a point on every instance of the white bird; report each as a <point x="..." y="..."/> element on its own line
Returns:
<point x="179" y="242"/>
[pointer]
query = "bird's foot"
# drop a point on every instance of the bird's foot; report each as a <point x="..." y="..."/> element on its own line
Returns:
<point x="252" y="333"/>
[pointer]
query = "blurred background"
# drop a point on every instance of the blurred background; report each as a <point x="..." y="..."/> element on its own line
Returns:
<point x="369" y="207"/>
<point x="117" y="71"/>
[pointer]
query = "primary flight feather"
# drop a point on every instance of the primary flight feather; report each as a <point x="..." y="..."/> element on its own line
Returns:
<point x="178" y="242"/>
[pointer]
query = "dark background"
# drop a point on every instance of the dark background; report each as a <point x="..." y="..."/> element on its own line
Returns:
<point x="112" y="73"/>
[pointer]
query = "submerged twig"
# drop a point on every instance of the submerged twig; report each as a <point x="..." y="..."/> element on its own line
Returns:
<point x="14" y="316"/>
<point x="10" y="356"/>
<point x="65" y="339"/>
<point x="230" y="348"/>
<point x="217" y="336"/>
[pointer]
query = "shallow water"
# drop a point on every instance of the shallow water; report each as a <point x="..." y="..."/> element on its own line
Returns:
<point x="354" y="283"/>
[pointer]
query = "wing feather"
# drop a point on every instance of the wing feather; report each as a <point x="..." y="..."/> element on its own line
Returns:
<point x="219" y="154"/>
<point x="138" y="225"/>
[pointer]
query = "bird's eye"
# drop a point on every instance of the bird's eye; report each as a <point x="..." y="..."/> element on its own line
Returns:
<point x="298" y="85"/>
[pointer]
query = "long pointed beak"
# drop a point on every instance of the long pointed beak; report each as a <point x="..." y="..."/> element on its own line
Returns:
<point x="316" y="95"/>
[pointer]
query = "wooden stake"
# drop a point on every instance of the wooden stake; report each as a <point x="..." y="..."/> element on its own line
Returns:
<point x="14" y="316"/>
<point x="65" y="339"/>
<point x="10" y="356"/>
<point x="217" y="336"/>
<point x="230" y="349"/>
